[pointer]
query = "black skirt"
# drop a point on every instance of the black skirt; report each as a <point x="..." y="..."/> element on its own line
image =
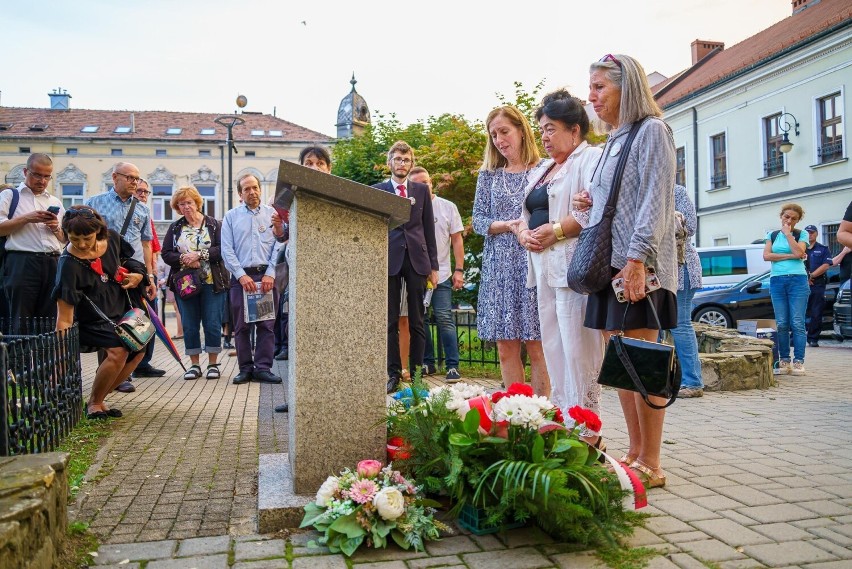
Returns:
<point x="604" y="312"/>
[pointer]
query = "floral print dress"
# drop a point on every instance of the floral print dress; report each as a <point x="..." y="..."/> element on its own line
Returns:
<point x="507" y="309"/>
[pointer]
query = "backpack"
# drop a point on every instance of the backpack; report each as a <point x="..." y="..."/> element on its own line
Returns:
<point x="796" y="234"/>
<point x="12" y="207"/>
<point x="680" y="237"/>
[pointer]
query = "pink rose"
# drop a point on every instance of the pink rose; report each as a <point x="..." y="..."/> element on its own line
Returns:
<point x="369" y="468"/>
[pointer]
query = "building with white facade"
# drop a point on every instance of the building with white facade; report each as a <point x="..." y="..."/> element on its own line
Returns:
<point x="735" y="109"/>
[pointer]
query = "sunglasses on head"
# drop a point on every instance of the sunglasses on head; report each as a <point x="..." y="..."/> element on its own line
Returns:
<point x="610" y="57"/>
<point x="86" y="212"/>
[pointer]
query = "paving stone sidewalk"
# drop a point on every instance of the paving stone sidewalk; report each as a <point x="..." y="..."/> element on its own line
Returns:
<point x="755" y="479"/>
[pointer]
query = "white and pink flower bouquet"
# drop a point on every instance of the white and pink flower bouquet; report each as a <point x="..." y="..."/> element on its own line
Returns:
<point x="371" y="505"/>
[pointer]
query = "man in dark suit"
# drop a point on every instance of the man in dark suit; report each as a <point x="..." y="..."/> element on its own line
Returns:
<point x="412" y="258"/>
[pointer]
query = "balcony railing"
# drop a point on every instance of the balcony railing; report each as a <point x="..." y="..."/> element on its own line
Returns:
<point x="719" y="180"/>
<point x="774" y="166"/>
<point x="830" y="152"/>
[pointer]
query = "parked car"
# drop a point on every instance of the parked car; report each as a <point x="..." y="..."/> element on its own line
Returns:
<point x="726" y="265"/>
<point x="750" y="300"/>
<point x="843" y="312"/>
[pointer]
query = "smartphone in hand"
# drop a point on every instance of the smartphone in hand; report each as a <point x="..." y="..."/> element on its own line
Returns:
<point x="54" y="209"/>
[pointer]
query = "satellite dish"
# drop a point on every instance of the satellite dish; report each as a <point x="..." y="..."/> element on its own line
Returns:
<point x="242" y="101"/>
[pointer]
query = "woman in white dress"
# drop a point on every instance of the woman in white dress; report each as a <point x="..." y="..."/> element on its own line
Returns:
<point x="548" y="232"/>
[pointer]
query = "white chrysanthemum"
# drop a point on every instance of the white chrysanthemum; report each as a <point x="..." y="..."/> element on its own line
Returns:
<point x="327" y="491"/>
<point x="522" y="410"/>
<point x="466" y="390"/>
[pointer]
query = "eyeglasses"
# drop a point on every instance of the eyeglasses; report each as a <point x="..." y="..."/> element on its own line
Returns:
<point x="38" y="176"/>
<point x="131" y="179"/>
<point x="610" y="57"/>
<point x="399" y="160"/>
<point x="143" y="192"/>
<point x="81" y="211"/>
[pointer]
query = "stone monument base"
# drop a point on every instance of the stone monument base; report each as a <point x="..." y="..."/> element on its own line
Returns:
<point x="278" y="506"/>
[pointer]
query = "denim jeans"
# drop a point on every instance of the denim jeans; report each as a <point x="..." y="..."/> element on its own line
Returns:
<point x="790" y="301"/>
<point x="442" y="309"/>
<point x="206" y="308"/>
<point x="686" y="344"/>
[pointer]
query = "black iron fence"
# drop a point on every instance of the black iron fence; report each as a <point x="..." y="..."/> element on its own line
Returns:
<point x="42" y="385"/>
<point x="472" y="350"/>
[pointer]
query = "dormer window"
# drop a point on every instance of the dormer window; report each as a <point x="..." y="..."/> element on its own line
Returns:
<point x="208" y="131"/>
<point x="256" y="132"/>
<point x="276" y="133"/>
<point x="174" y="130"/>
<point x="38" y="127"/>
<point x="122" y="129"/>
<point x="89" y="128"/>
<point x="5" y="125"/>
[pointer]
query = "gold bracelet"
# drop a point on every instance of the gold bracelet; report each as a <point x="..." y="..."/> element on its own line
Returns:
<point x="557" y="229"/>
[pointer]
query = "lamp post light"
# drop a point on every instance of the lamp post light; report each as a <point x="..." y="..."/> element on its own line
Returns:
<point x="229" y="122"/>
<point x="784" y="126"/>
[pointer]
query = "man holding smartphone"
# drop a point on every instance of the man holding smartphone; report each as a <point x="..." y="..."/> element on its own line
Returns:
<point x="30" y="221"/>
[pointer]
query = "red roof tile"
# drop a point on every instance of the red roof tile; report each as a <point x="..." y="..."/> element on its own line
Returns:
<point x="788" y="32"/>
<point x="149" y="125"/>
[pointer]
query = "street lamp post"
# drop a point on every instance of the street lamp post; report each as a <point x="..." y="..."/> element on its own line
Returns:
<point x="229" y="122"/>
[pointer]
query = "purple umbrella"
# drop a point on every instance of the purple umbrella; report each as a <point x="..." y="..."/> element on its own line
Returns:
<point x="162" y="333"/>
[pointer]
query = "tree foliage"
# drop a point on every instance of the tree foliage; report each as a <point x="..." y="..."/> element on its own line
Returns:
<point x="449" y="146"/>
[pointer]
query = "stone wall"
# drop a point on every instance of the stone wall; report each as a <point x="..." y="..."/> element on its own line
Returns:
<point x="731" y="361"/>
<point x="33" y="510"/>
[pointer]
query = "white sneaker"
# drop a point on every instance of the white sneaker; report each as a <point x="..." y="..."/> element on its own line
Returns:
<point x="782" y="367"/>
<point x="798" y="368"/>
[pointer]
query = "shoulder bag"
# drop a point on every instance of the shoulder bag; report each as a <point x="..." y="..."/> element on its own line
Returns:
<point x="590" y="270"/>
<point x="188" y="281"/>
<point x="649" y="368"/>
<point x="134" y="329"/>
<point x="13" y="205"/>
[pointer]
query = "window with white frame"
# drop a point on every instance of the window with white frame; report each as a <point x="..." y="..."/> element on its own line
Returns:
<point x="680" y="171"/>
<point x="830" y="116"/>
<point x="161" y="202"/>
<point x="72" y="194"/>
<point x="719" y="161"/>
<point x="208" y="194"/>
<point x="773" y="158"/>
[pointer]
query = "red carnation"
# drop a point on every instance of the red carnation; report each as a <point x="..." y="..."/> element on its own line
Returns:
<point x="497" y="396"/>
<point x="520" y="389"/>
<point x="576" y="413"/>
<point x="586" y="417"/>
<point x="593" y="422"/>
<point x="558" y="416"/>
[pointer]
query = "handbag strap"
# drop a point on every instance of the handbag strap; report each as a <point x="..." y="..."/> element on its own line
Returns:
<point x="628" y="365"/>
<point x="653" y="311"/>
<point x="129" y="215"/>
<point x="99" y="311"/>
<point x="622" y="162"/>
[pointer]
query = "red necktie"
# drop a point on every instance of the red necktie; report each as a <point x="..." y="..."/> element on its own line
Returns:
<point x="401" y="189"/>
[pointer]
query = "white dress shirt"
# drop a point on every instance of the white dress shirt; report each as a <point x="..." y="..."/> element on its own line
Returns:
<point x="32" y="237"/>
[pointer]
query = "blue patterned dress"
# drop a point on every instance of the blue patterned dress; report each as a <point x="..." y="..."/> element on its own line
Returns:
<point x="507" y="309"/>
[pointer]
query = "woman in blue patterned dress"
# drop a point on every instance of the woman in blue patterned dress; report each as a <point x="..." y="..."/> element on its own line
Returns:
<point x="507" y="311"/>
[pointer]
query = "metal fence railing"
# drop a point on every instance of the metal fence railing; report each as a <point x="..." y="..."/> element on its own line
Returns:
<point x="41" y="398"/>
<point x="472" y="350"/>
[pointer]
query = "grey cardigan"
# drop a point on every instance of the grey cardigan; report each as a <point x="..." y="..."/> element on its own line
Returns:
<point x="643" y="227"/>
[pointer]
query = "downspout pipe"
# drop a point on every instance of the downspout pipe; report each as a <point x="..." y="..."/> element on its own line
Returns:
<point x="695" y="175"/>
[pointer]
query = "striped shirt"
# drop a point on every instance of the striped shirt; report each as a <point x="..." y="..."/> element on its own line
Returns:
<point x="114" y="211"/>
<point x="643" y="226"/>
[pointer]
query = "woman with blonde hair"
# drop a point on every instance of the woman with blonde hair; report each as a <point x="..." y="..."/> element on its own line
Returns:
<point x="507" y="311"/>
<point x="788" y="286"/>
<point x="193" y="242"/>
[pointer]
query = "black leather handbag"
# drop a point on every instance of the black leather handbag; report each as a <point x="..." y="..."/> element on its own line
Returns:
<point x="590" y="269"/>
<point x="649" y="368"/>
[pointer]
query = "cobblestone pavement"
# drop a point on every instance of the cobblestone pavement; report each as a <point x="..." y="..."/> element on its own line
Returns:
<point x="755" y="479"/>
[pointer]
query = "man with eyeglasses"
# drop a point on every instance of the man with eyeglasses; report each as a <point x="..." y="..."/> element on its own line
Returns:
<point x="34" y="240"/>
<point x="145" y="369"/>
<point x="412" y="258"/>
<point x="132" y="220"/>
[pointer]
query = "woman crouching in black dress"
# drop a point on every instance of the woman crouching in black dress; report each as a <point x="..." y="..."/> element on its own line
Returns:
<point x="89" y="268"/>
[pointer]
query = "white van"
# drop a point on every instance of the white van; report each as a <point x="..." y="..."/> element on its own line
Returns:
<point x="728" y="265"/>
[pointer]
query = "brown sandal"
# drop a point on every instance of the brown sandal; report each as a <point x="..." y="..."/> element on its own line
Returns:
<point x="650" y="478"/>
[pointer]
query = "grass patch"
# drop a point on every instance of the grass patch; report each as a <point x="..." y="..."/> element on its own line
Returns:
<point x="74" y="551"/>
<point x="82" y="445"/>
<point x="635" y="558"/>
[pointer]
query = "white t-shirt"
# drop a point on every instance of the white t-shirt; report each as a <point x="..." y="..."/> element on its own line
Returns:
<point x="447" y="222"/>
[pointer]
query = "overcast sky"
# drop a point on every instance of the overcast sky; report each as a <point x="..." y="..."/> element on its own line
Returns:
<point x="414" y="59"/>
